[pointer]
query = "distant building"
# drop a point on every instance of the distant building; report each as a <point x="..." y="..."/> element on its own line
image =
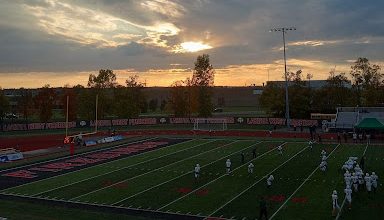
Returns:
<point x="313" y="84"/>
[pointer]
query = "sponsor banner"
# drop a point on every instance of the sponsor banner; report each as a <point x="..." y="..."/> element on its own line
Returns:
<point x="101" y="123"/>
<point x="83" y="123"/>
<point x="11" y="157"/>
<point x="120" y="122"/>
<point x="90" y="143"/>
<point x="3" y="158"/>
<point x="142" y="121"/>
<point x="33" y="172"/>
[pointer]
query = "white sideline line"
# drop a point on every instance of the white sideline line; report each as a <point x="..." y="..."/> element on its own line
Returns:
<point x="122" y="167"/>
<point x="101" y="149"/>
<point x="86" y="168"/>
<point x="149" y="171"/>
<point x="241" y="193"/>
<point x="254" y="159"/>
<point x="342" y="205"/>
<point x="184" y="174"/>
<point x="100" y="205"/>
<point x="302" y="184"/>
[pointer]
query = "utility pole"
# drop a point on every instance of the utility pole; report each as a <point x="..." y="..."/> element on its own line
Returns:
<point x="284" y="31"/>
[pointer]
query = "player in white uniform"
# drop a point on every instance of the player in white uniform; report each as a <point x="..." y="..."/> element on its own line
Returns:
<point x="323" y="153"/>
<point x="335" y="204"/>
<point x="197" y="172"/>
<point x="348" y="196"/>
<point x="228" y="165"/>
<point x="374" y="178"/>
<point x="348" y="180"/>
<point x="355" y="182"/>
<point x="280" y="150"/>
<point x="250" y="168"/>
<point x="270" y="180"/>
<point x="310" y="144"/>
<point x="323" y="165"/>
<point x="368" y="183"/>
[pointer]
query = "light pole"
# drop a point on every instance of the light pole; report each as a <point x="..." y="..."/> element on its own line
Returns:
<point x="284" y="30"/>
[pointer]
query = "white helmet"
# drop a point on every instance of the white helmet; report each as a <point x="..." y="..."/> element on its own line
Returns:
<point x="367" y="174"/>
<point x="198" y="165"/>
<point x="373" y="173"/>
<point x="357" y="165"/>
<point x="271" y="176"/>
<point x="228" y="160"/>
<point x="347" y="171"/>
<point x="335" y="192"/>
<point x="353" y="174"/>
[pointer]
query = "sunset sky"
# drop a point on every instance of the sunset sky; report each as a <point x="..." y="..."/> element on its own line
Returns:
<point x="60" y="42"/>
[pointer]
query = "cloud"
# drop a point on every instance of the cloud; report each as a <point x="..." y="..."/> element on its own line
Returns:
<point x="91" y="27"/>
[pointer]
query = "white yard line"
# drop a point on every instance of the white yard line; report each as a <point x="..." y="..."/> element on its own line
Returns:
<point x="109" y="186"/>
<point x="254" y="159"/>
<point x="101" y="164"/>
<point x="263" y="177"/>
<point x="100" y="205"/>
<point x="302" y="184"/>
<point x="123" y="167"/>
<point x="185" y="174"/>
<point x="341" y="208"/>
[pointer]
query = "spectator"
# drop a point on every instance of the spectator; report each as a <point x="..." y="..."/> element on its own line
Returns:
<point x="345" y="136"/>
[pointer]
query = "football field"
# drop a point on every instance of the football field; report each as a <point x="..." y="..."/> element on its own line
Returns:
<point x="157" y="176"/>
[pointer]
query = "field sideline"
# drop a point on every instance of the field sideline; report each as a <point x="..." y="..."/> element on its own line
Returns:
<point x="161" y="182"/>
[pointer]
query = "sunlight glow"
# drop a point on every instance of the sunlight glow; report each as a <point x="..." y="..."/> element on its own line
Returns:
<point x="191" y="47"/>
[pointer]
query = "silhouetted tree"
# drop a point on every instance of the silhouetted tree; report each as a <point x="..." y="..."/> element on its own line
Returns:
<point x="44" y="103"/>
<point x="203" y="80"/>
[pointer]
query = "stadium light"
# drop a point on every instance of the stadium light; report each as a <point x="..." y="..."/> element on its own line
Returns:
<point x="284" y="30"/>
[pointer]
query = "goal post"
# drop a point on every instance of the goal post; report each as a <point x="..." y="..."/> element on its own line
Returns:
<point x="210" y="124"/>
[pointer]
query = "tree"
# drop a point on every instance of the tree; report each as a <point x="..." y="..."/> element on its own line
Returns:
<point x="367" y="82"/>
<point x="179" y="99"/>
<point x="101" y="86"/>
<point x="72" y="104"/>
<point x="130" y="101"/>
<point x="25" y="103"/>
<point x="272" y="99"/>
<point x="4" y="105"/>
<point x="44" y="102"/>
<point x="153" y="103"/>
<point x="105" y="79"/>
<point x="203" y="80"/>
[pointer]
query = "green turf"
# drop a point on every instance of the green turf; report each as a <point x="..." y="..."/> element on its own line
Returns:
<point x="163" y="180"/>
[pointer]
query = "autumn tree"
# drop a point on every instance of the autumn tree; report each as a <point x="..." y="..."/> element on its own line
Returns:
<point x="25" y="103"/>
<point x="100" y="85"/>
<point x="179" y="99"/>
<point x="367" y="82"/>
<point x="203" y="80"/>
<point x="152" y="105"/>
<point x="4" y="105"/>
<point x="72" y="103"/>
<point x="130" y="101"/>
<point x="44" y="103"/>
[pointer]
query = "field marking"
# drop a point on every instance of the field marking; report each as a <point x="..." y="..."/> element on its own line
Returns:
<point x="86" y="168"/>
<point x="302" y="184"/>
<point x="131" y="178"/>
<point x="70" y="156"/>
<point x="262" y="178"/>
<point x="252" y="145"/>
<point x="254" y="159"/>
<point x="124" y="167"/>
<point x="102" y="205"/>
<point x="345" y="198"/>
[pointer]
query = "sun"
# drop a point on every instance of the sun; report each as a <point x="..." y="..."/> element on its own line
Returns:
<point x="191" y="47"/>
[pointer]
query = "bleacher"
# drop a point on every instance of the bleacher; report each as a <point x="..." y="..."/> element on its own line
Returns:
<point x="349" y="117"/>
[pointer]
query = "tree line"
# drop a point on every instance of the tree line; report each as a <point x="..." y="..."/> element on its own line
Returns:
<point x="189" y="97"/>
<point x="367" y="89"/>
